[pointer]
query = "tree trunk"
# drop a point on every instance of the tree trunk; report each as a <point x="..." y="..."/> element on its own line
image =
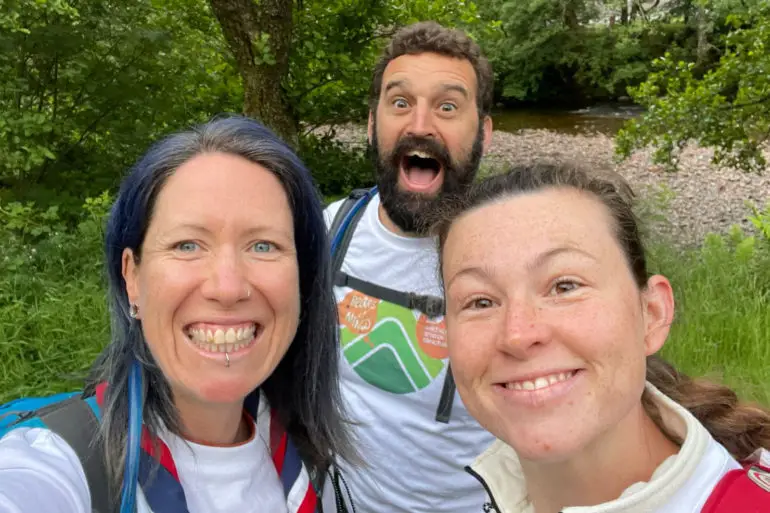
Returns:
<point x="569" y="14"/>
<point x="704" y="29"/>
<point x="244" y="24"/>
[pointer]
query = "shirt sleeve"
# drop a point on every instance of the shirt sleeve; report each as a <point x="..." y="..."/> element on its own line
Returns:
<point x="39" y="472"/>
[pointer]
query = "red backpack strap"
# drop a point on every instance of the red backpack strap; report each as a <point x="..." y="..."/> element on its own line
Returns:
<point x="746" y="490"/>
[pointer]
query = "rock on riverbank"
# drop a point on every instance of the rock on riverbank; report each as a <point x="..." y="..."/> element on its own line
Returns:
<point x="698" y="199"/>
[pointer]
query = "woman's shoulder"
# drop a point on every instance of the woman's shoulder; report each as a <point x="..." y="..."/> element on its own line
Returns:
<point x="39" y="471"/>
<point x="743" y="488"/>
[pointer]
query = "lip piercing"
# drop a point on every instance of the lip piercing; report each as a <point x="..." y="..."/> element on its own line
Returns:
<point x="227" y="359"/>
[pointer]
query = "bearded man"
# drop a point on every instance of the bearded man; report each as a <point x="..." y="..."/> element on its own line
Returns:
<point x="429" y="124"/>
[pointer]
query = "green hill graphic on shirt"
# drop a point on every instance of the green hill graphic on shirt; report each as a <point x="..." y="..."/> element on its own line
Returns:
<point x="389" y="357"/>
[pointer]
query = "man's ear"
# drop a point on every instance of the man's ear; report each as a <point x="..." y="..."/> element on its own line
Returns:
<point x="658" y="304"/>
<point x="370" y="127"/>
<point x="487" y="125"/>
<point x="130" y="271"/>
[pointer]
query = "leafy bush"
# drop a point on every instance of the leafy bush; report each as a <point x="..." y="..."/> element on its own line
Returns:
<point x="53" y="315"/>
<point x="722" y="290"/>
<point x="727" y="108"/>
<point x="337" y="168"/>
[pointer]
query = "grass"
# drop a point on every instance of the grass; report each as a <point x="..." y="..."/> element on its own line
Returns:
<point x="722" y="326"/>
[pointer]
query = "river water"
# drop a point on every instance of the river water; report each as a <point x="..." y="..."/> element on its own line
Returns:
<point x="605" y="119"/>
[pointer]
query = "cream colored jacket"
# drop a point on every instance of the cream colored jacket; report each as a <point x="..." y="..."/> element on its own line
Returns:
<point x="681" y="484"/>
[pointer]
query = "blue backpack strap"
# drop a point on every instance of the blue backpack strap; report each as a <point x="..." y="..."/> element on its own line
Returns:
<point x="76" y="420"/>
<point x="345" y="221"/>
<point x="19" y="410"/>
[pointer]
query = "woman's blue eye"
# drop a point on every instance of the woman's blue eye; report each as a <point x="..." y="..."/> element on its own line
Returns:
<point x="262" y="247"/>
<point x="187" y="246"/>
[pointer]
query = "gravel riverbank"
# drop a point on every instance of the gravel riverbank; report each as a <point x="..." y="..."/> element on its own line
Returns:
<point x="698" y="199"/>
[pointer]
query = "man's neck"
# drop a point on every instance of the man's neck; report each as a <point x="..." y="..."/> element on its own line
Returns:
<point x="628" y="454"/>
<point x="392" y="227"/>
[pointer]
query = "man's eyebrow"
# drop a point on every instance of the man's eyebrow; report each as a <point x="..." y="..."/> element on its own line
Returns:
<point x="394" y="83"/>
<point x="455" y="87"/>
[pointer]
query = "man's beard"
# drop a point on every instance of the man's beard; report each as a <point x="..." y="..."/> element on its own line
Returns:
<point x="412" y="211"/>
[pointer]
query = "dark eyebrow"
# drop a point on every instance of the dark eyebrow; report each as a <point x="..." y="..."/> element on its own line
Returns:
<point x="455" y="87"/>
<point x="393" y="84"/>
<point x="444" y="87"/>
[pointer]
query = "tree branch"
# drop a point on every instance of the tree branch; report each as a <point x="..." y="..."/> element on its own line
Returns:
<point x="319" y="85"/>
<point x="759" y="101"/>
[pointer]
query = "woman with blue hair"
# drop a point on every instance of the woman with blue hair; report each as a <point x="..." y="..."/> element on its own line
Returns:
<point x="218" y="391"/>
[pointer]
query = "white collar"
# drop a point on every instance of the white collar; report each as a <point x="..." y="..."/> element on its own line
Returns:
<point x="500" y="469"/>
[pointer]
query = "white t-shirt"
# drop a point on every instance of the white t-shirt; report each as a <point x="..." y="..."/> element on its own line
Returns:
<point x="39" y="472"/>
<point x="393" y="365"/>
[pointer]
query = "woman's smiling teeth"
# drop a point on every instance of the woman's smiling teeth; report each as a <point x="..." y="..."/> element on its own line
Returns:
<point x="222" y="339"/>
<point x="541" y="382"/>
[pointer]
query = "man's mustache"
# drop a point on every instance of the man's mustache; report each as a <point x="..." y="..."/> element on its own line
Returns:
<point x="427" y="145"/>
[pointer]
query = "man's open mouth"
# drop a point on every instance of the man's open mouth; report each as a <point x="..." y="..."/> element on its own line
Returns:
<point x="420" y="169"/>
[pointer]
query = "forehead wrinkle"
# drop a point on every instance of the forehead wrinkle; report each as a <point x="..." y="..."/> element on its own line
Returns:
<point x="550" y="233"/>
<point x="404" y="66"/>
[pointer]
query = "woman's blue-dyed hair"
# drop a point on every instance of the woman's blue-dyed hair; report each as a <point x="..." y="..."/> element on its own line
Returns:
<point x="304" y="387"/>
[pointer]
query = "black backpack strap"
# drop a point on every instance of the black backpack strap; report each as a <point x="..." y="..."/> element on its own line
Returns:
<point x="432" y="306"/>
<point x="74" y="421"/>
<point x="445" y="402"/>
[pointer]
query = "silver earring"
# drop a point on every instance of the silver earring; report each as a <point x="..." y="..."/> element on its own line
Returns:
<point x="133" y="310"/>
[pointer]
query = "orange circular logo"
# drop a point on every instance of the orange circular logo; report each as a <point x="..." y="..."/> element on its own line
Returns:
<point x="431" y="336"/>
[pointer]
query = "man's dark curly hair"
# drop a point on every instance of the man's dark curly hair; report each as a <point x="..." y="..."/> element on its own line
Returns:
<point x="430" y="37"/>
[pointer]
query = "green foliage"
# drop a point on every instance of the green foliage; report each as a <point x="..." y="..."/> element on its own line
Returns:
<point x="578" y="51"/>
<point x="722" y="292"/>
<point x="562" y="50"/>
<point x="761" y="220"/>
<point x="727" y="108"/>
<point x="53" y="316"/>
<point x="85" y="86"/>
<point x="337" y="168"/>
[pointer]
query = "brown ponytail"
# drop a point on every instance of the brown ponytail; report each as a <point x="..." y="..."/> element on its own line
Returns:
<point x="741" y="428"/>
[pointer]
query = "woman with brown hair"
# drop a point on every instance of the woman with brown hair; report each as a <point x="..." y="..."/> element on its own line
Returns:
<point x="553" y="324"/>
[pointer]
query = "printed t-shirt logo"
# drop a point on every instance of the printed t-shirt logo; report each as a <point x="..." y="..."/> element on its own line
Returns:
<point x="390" y="346"/>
